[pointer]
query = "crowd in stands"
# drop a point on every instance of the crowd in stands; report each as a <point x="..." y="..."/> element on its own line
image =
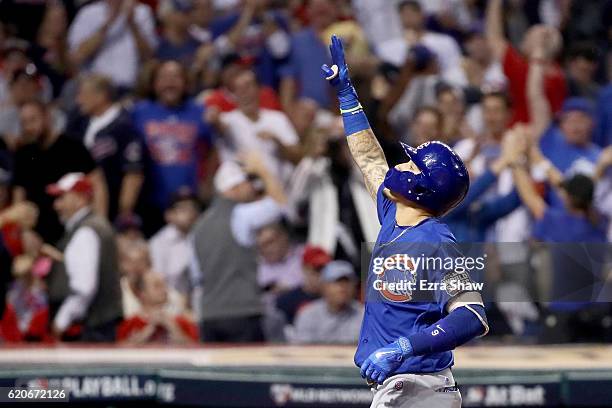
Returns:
<point x="175" y="170"/>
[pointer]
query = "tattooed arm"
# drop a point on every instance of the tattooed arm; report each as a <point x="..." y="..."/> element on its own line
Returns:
<point x="362" y="142"/>
<point x="370" y="158"/>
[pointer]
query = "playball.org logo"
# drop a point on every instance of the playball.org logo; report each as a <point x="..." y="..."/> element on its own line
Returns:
<point x="397" y="276"/>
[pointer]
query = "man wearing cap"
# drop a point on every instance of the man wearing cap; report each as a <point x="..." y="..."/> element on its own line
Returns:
<point x="313" y="260"/>
<point x="336" y="318"/>
<point x="567" y="145"/>
<point x="574" y="273"/>
<point x="84" y="288"/>
<point x="224" y="267"/>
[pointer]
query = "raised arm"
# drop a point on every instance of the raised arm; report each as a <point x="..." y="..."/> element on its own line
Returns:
<point x="539" y="108"/>
<point x="364" y="146"/>
<point x="494" y="28"/>
<point x="520" y="172"/>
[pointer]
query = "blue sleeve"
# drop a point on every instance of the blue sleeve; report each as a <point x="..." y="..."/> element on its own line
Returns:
<point x="460" y="326"/>
<point x="548" y="142"/>
<point x="205" y="132"/>
<point x="603" y="128"/>
<point x="383" y="204"/>
<point x="492" y="210"/>
<point x="480" y="186"/>
<point x="223" y="24"/>
<point x="542" y="230"/>
<point x="291" y="67"/>
<point x="447" y="274"/>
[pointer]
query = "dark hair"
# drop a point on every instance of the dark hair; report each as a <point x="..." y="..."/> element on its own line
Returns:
<point x="443" y="88"/>
<point x="584" y="49"/>
<point x="29" y="72"/>
<point x="413" y="4"/>
<point x="184" y="193"/>
<point x="102" y="83"/>
<point x="499" y="95"/>
<point x="155" y="71"/>
<point x="580" y="190"/>
<point x="42" y="106"/>
<point x="430" y="109"/>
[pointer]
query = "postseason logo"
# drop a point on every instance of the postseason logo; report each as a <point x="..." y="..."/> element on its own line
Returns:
<point x="396" y="275"/>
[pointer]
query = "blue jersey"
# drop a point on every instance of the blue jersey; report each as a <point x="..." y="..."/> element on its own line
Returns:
<point x="391" y="314"/>
<point x="172" y="137"/>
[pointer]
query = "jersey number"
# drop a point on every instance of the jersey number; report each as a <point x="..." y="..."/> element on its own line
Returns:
<point x="437" y="331"/>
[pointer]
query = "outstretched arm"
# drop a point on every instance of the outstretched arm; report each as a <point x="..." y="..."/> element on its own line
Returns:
<point x="539" y="108"/>
<point x="494" y="28"/>
<point x="362" y="142"/>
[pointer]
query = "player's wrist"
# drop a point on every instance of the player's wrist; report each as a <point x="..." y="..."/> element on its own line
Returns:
<point x="405" y="347"/>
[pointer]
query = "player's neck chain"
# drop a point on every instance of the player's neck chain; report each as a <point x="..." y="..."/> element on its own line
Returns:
<point x="396" y="238"/>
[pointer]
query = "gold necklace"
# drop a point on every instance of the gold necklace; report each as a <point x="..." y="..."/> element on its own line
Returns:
<point x="394" y="239"/>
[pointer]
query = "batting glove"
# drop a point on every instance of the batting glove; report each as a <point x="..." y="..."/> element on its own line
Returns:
<point x="384" y="361"/>
<point x="337" y="74"/>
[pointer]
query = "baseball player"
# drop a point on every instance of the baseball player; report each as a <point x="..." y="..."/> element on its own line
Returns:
<point x="405" y="346"/>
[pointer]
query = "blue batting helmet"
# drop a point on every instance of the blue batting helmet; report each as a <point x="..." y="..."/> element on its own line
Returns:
<point x="442" y="183"/>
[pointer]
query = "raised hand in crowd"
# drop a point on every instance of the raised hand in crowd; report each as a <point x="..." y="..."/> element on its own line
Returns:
<point x="605" y="162"/>
<point x="24" y="213"/>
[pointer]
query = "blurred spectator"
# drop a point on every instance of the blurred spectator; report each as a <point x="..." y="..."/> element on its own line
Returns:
<point x="339" y="208"/>
<point x="13" y="57"/>
<point x="548" y="43"/>
<point x="575" y="269"/>
<point x="253" y="128"/>
<point x="25" y="85"/>
<point x="50" y="50"/>
<point x="603" y="187"/>
<point x="257" y="33"/>
<point x="280" y="260"/>
<point x="451" y="105"/>
<point x="134" y="261"/>
<point x="313" y="260"/>
<point x="106" y="130"/>
<point x="414" y="87"/>
<point x="581" y="68"/>
<point x="426" y="126"/>
<point x="603" y="131"/>
<point x="302" y="76"/>
<point x="84" y="288"/>
<point x="201" y="17"/>
<point x="14" y="220"/>
<point x="379" y="20"/>
<point x="395" y="51"/>
<point x="225" y="262"/>
<point x="26" y="317"/>
<point x="568" y="145"/>
<point x="43" y="158"/>
<point x="171" y="248"/>
<point x="225" y="98"/>
<point x="478" y="211"/>
<point x="478" y="71"/>
<point x="172" y="128"/>
<point x="478" y="151"/>
<point x="154" y="323"/>
<point x="121" y="31"/>
<point x="129" y="228"/>
<point x="6" y="175"/>
<point x="176" y="43"/>
<point x="336" y="318"/>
